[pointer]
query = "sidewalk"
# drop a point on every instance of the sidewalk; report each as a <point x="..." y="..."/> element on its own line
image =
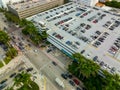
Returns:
<point x="11" y="65"/>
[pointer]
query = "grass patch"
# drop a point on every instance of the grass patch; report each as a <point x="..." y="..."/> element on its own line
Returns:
<point x="7" y="60"/>
<point x="33" y="85"/>
<point x="1" y="64"/>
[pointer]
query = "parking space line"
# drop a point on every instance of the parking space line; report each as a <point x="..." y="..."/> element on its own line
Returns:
<point x="99" y="36"/>
<point x="90" y="45"/>
<point x="44" y="83"/>
<point x="107" y="54"/>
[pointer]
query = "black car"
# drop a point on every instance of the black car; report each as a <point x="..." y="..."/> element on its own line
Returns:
<point x="49" y="50"/>
<point x="82" y="51"/>
<point x="29" y="69"/>
<point x="12" y="75"/>
<point x="72" y="83"/>
<point x="20" y="43"/>
<point x="95" y="58"/>
<point x="54" y="63"/>
<point x="97" y="43"/>
<point x="106" y="33"/>
<point x="3" y="81"/>
<point x="78" y="88"/>
<point x="13" y="37"/>
<point x="101" y="39"/>
<point x="29" y="45"/>
<point x="101" y="63"/>
<point x="98" y="32"/>
<point x="70" y="76"/>
<point x="64" y="76"/>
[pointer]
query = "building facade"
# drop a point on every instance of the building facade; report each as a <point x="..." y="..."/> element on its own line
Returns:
<point x="32" y="7"/>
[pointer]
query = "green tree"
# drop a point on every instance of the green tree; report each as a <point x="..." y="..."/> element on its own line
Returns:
<point x="112" y="81"/>
<point x="113" y="3"/>
<point x="4" y="38"/>
<point x="86" y="67"/>
<point x="12" y="52"/>
<point x="91" y="71"/>
<point x="11" y="17"/>
<point x="44" y="35"/>
<point x="23" y="79"/>
<point x="66" y="1"/>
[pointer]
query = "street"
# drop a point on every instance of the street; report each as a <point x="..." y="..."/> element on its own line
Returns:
<point x="44" y="65"/>
<point x="38" y="58"/>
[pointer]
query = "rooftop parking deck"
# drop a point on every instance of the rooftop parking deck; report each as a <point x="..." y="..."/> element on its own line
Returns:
<point x="77" y="28"/>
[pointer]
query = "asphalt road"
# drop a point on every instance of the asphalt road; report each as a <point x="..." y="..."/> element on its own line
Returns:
<point x="43" y="62"/>
<point x="45" y="66"/>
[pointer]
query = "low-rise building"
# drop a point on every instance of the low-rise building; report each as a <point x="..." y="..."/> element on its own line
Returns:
<point x="28" y="8"/>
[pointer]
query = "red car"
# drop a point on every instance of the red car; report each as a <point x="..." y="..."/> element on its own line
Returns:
<point x="76" y="81"/>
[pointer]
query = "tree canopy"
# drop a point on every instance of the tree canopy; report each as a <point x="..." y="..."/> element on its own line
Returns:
<point x="33" y="32"/>
<point x="113" y="3"/>
<point x="88" y="71"/>
<point x="4" y="38"/>
<point x="29" y="28"/>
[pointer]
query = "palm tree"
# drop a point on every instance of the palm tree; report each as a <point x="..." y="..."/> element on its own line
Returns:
<point x="17" y="82"/>
<point x="4" y="38"/>
<point x="12" y="52"/>
<point x="111" y="82"/>
<point x="23" y="79"/>
<point x="77" y="56"/>
<point x="86" y="67"/>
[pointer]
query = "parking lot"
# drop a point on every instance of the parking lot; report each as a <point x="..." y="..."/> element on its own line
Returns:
<point x="90" y="31"/>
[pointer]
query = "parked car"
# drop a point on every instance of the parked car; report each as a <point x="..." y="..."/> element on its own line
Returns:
<point x="102" y="63"/>
<point x="82" y="51"/>
<point x="64" y="76"/>
<point x="78" y="88"/>
<point x="49" y="50"/>
<point x="113" y="70"/>
<point x="70" y="76"/>
<point x="72" y="83"/>
<point x="95" y="58"/>
<point x="29" y="69"/>
<point x="76" y="81"/>
<point x="3" y="81"/>
<point x="12" y="75"/>
<point x="54" y="63"/>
